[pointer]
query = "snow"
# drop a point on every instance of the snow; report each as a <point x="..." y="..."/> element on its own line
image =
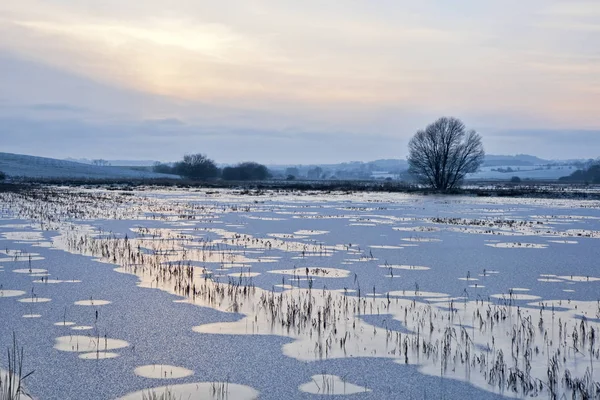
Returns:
<point x="523" y="172"/>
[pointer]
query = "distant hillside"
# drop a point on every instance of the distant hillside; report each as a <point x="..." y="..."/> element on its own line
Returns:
<point x="389" y="164"/>
<point x="19" y="165"/>
<point x="518" y="160"/>
<point x="116" y="163"/>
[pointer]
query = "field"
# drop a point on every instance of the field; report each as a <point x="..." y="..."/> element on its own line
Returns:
<point x="534" y="172"/>
<point x="218" y="294"/>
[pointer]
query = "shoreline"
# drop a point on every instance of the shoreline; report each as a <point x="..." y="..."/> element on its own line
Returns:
<point x="545" y="190"/>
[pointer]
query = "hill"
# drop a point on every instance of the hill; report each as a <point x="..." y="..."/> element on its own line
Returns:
<point x="517" y="160"/>
<point x="118" y="163"/>
<point x="24" y="166"/>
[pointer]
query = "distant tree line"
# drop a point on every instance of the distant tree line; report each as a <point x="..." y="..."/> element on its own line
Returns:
<point x="313" y="173"/>
<point x="2" y="176"/>
<point x="590" y="174"/>
<point x="100" y="163"/>
<point x="358" y="171"/>
<point x="200" y="167"/>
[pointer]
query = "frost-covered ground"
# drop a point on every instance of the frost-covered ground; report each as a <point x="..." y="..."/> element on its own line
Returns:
<point x="535" y="172"/>
<point x="220" y="295"/>
<point x="23" y="166"/>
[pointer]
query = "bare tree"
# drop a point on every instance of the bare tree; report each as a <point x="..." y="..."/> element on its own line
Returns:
<point x="315" y="173"/>
<point x="444" y="153"/>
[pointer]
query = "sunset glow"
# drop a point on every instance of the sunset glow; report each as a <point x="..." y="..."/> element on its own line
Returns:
<point x="340" y="68"/>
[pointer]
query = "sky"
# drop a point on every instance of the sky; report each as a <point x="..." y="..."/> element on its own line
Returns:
<point x="284" y="82"/>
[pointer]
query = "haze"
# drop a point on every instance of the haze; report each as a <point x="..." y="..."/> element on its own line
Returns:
<point x="295" y="82"/>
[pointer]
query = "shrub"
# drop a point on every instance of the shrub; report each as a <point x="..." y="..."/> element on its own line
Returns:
<point x="161" y="168"/>
<point x="247" y="171"/>
<point x="589" y="175"/>
<point x="196" y="166"/>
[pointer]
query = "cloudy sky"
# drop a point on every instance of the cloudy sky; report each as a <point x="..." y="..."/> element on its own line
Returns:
<point x="295" y="81"/>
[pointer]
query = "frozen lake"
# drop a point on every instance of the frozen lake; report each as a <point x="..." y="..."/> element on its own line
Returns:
<point x="217" y="294"/>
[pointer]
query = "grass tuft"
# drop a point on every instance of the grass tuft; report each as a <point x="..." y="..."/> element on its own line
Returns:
<point x="11" y="381"/>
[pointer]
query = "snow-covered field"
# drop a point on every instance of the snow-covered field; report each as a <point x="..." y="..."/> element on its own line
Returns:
<point x="24" y="166"/>
<point x="533" y="172"/>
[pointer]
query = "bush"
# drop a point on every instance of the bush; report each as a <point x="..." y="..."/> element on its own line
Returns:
<point x="292" y="171"/>
<point x="590" y="175"/>
<point x="2" y="176"/>
<point x="247" y="171"/>
<point x="515" y="179"/>
<point x="196" y="166"/>
<point x="163" y="168"/>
